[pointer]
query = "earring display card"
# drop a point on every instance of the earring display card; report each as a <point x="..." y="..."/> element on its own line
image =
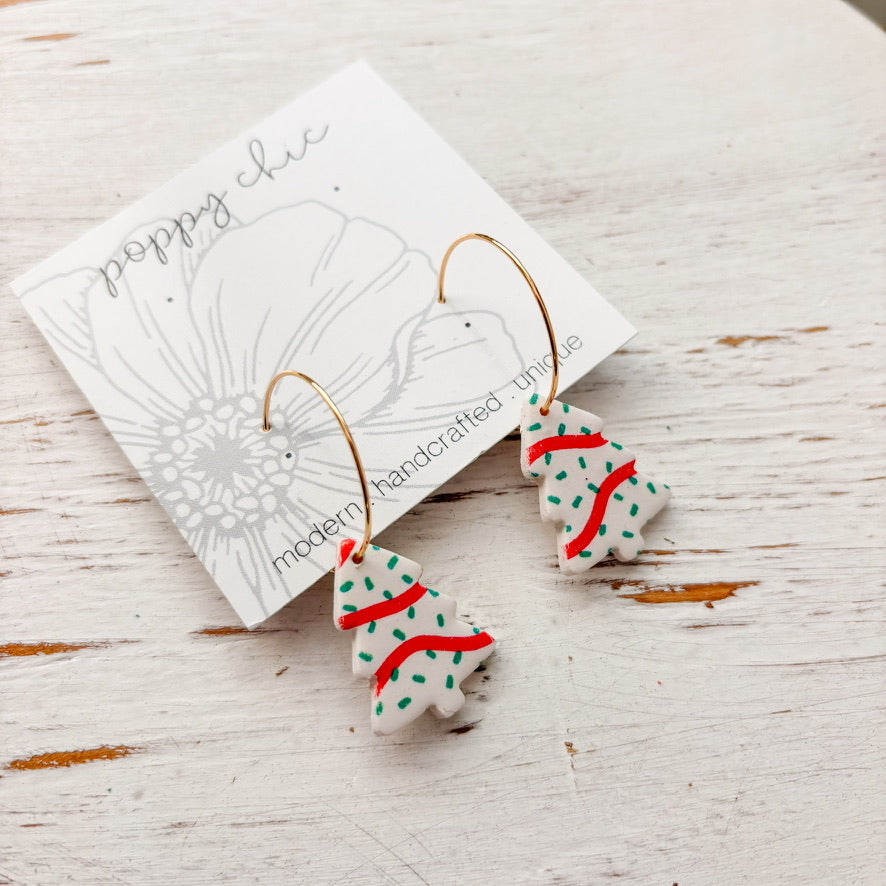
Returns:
<point x="310" y="242"/>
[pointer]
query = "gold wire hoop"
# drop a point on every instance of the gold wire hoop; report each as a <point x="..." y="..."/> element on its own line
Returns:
<point x="266" y="426"/>
<point x="555" y="376"/>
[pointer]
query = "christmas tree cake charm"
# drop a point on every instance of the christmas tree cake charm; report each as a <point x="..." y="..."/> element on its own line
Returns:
<point x="589" y="487"/>
<point x="406" y="637"/>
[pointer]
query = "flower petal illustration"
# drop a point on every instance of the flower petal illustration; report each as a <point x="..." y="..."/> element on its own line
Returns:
<point x="428" y="395"/>
<point x="177" y="358"/>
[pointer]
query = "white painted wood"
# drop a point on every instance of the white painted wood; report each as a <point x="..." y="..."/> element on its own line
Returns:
<point x="715" y="170"/>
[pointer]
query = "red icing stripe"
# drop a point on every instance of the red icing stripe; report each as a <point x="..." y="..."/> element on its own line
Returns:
<point x="592" y="527"/>
<point x="427" y="641"/>
<point x="382" y="609"/>
<point x="344" y="550"/>
<point x="566" y="441"/>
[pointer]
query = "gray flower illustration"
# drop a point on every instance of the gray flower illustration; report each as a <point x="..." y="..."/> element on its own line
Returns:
<point x="176" y="365"/>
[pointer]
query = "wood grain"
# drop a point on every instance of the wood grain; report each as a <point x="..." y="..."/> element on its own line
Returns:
<point x="717" y="171"/>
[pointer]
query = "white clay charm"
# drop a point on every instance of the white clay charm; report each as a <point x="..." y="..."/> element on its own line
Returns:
<point x="406" y="636"/>
<point x="588" y="486"/>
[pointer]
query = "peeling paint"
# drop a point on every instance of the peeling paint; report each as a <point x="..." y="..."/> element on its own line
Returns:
<point x="19" y="649"/>
<point x="445" y="497"/>
<point x="688" y="593"/>
<point x="735" y="340"/>
<point x="671" y="551"/>
<point x="222" y="632"/>
<point x="461" y="730"/>
<point x="59" y="759"/>
<point x="47" y="37"/>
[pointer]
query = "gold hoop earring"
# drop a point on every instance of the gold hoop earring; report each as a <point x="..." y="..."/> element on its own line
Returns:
<point x="406" y="638"/>
<point x="588" y="485"/>
<point x="358" y="463"/>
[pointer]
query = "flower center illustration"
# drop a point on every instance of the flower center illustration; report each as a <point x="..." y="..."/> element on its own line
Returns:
<point x="216" y="469"/>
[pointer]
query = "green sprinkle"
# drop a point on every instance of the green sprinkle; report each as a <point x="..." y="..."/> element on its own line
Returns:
<point x="565" y="407"/>
<point x="665" y="485"/>
<point x="585" y="554"/>
<point x="407" y="578"/>
<point x="632" y="481"/>
<point x="561" y="476"/>
<point x="440" y="620"/>
<point x="433" y="593"/>
<point x="379" y="708"/>
<point x="533" y="474"/>
<point x="535" y="427"/>
<point x="456" y="659"/>
<point x="404" y="702"/>
<point x="476" y="630"/>
<point x="387" y="595"/>
<point x="449" y="681"/>
<point x="346" y="587"/>
<point x="627" y="534"/>
<point x="411" y="612"/>
<point x="609" y="467"/>
<point x="586" y="431"/>
<point x="593" y="488"/>
<point x="533" y="399"/>
<point x="602" y="529"/>
<point x="370" y="628"/>
<point x="399" y="634"/>
<point x="395" y="674"/>
<point x="561" y="430"/>
<point x="368" y="582"/>
<point x="651" y="488"/>
<point x="634" y="509"/>
<point x="418" y="678"/>
<point x="366" y="656"/>
<point x="430" y="653"/>
<point x="568" y="528"/>
<point x="615" y="445"/>
<point x="618" y="496"/>
<point x="582" y="462"/>
<point x="576" y="501"/>
<point x="553" y="499"/>
<point x="547" y="458"/>
<point x="348" y="608"/>
<point x="393" y="561"/>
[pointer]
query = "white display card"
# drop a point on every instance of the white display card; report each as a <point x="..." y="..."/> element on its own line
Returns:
<point x="310" y="242"/>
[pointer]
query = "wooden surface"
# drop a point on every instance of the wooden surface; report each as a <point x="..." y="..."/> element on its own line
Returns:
<point x="712" y="714"/>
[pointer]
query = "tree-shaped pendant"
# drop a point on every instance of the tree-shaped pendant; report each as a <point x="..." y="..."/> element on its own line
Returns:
<point x="588" y="486"/>
<point x="406" y="636"/>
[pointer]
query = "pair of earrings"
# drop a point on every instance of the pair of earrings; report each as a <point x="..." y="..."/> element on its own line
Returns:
<point x="407" y="636"/>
